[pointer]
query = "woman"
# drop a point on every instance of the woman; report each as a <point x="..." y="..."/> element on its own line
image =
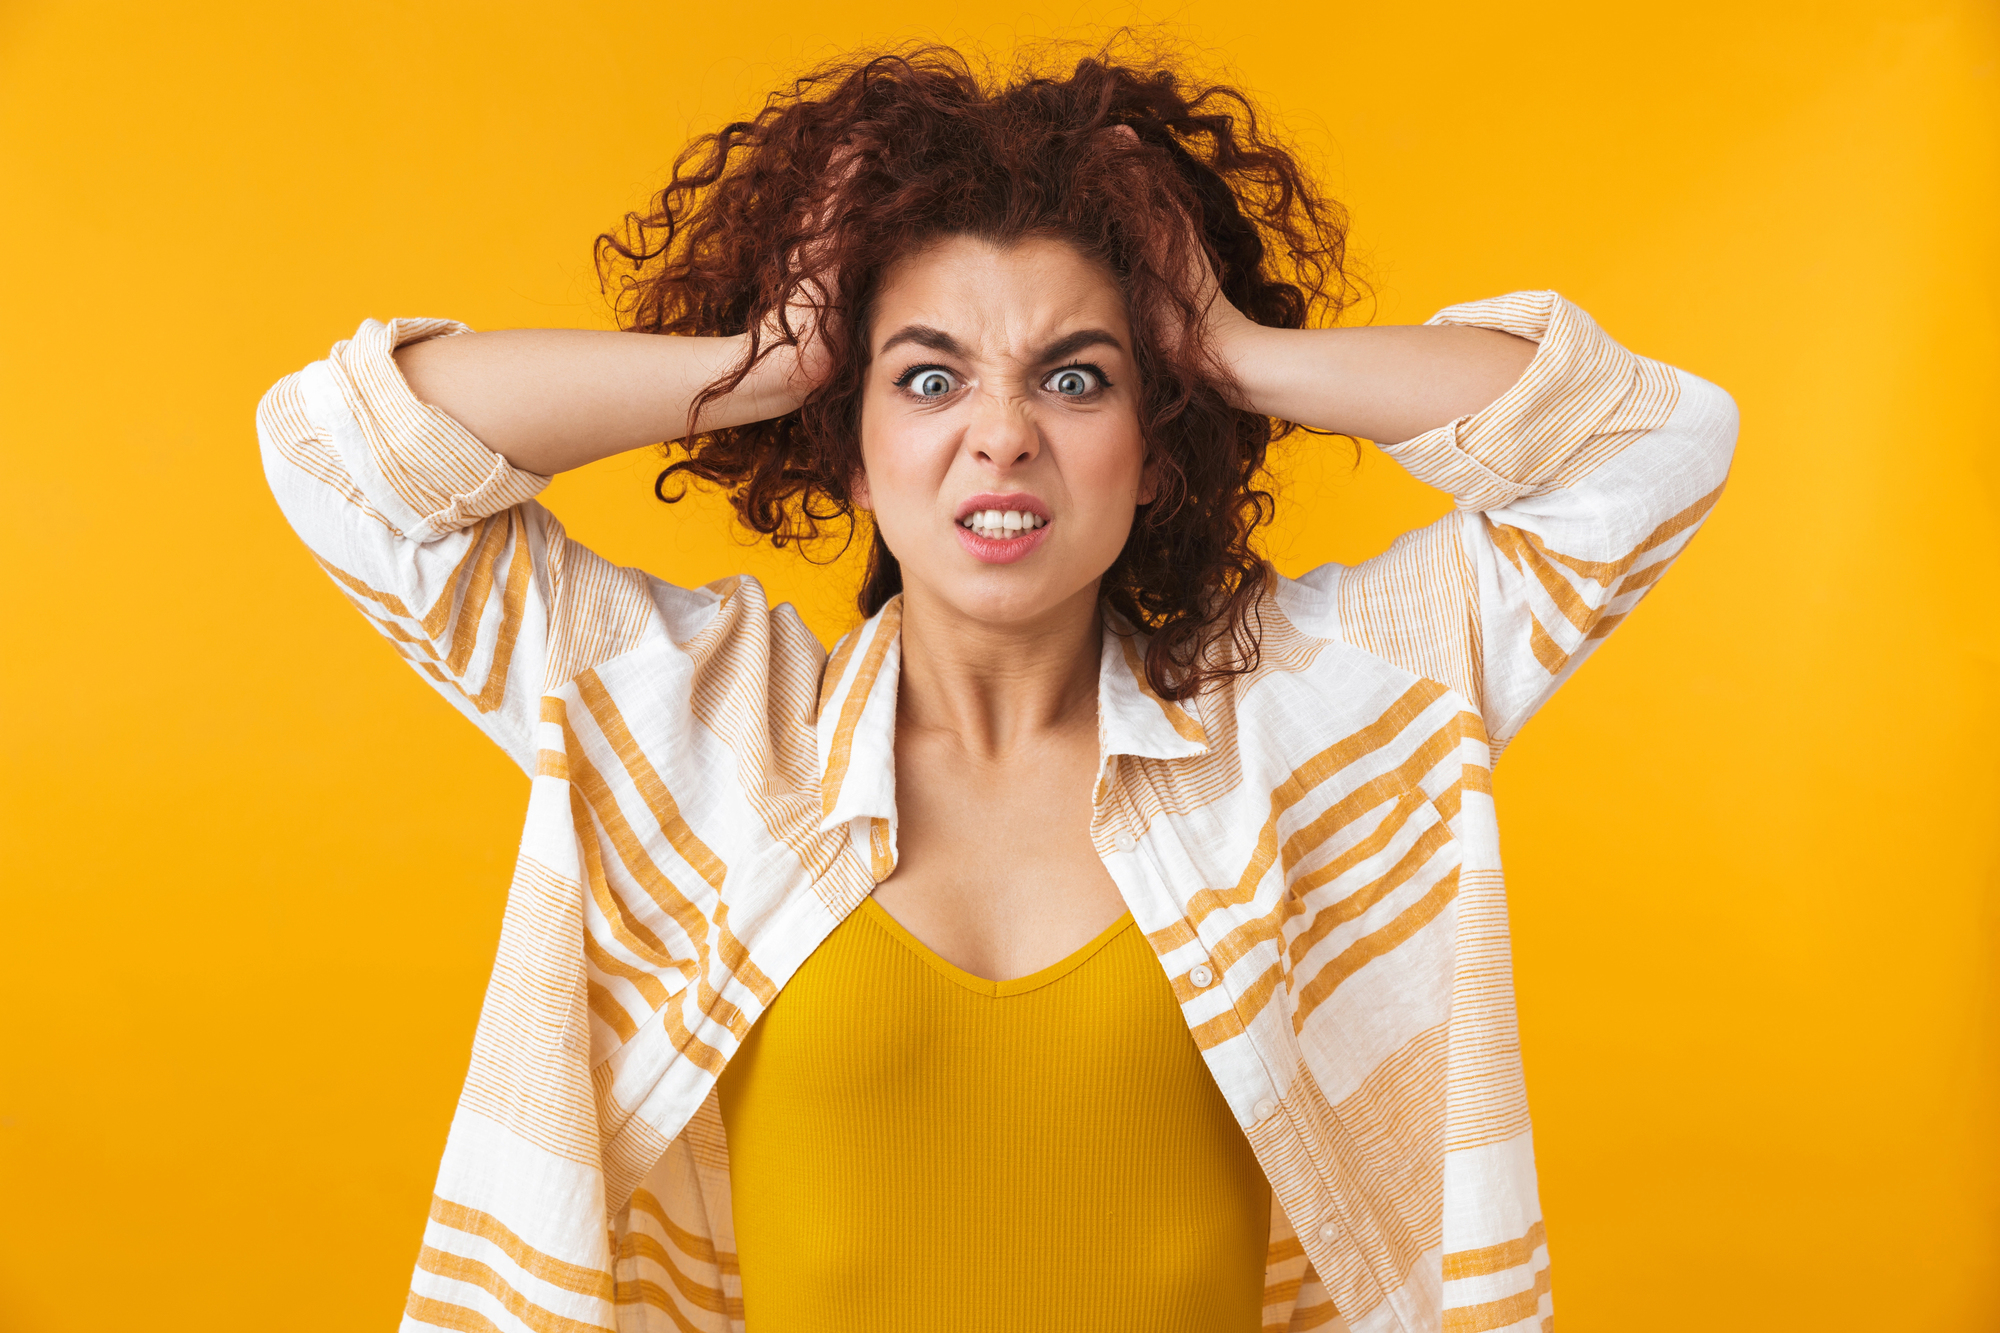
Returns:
<point x="1109" y="933"/>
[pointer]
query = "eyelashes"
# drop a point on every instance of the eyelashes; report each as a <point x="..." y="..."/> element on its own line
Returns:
<point x="1076" y="380"/>
<point x="1074" y="372"/>
<point x="924" y="378"/>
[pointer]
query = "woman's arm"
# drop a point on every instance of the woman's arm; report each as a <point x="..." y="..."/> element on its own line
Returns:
<point x="436" y="537"/>
<point x="1383" y="384"/>
<point x="1578" y="473"/>
<point x="548" y="400"/>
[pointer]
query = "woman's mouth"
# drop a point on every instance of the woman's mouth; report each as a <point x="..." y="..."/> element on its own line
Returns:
<point x="1001" y="536"/>
<point x="1000" y="524"/>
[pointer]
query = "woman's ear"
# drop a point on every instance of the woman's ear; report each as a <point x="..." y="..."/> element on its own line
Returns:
<point x="1149" y="482"/>
<point x="857" y="489"/>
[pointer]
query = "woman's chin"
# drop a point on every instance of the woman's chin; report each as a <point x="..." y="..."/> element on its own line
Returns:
<point x="1006" y="597"/>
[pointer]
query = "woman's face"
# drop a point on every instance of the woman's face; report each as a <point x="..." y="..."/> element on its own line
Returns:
<point x="1001" y="386"/>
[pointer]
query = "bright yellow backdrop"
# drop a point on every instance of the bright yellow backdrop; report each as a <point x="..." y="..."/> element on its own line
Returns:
<point x="253" y="869"/>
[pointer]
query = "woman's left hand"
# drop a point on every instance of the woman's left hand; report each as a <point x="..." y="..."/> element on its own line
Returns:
<point x="1224" y="328"/>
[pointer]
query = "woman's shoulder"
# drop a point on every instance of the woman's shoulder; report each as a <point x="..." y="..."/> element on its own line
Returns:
<point x="1366" y="632"/>
<point x="627" y="624"/>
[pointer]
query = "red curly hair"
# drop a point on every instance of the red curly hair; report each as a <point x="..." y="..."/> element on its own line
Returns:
<point x="867" y="159"/>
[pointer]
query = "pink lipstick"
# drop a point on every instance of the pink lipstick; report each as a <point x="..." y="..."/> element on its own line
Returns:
<point x="1000" y="529"/>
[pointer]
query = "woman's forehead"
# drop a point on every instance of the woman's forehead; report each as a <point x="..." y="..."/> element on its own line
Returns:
<point x="1003" y="301"/>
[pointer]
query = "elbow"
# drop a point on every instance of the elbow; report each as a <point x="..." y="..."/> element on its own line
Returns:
<point x="280" y="420"/>
<point x="269" y="421"/>
<point x="1709" y="422"/>
<point x="294" y="449"/>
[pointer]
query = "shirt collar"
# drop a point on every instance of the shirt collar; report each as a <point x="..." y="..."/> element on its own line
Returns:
<point x="1132" y="718"/>
<point x="856" y="727"/>
<point x="857" y="720"/>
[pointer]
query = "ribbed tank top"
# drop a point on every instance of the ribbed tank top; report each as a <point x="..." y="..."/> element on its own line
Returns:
<point x="913" y="1147"/>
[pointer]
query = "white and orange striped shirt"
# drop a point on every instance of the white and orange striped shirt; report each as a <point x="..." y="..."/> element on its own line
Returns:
<point x="1310" y="849"/>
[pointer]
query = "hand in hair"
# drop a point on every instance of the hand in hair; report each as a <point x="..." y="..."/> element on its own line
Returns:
<point x="1222" y="326"/>
<point x="814" y="281"/>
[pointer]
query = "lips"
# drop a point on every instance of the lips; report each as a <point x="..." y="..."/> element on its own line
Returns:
<point x="1000" y="529"/>
<point x="1000" y="550"/>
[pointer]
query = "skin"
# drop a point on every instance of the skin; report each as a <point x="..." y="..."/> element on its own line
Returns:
<point x="996" y="719"/>
<point x="996" y="743"/>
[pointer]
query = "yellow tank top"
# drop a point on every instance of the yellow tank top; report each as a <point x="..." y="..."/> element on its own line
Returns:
<point x="912" y="1147"/>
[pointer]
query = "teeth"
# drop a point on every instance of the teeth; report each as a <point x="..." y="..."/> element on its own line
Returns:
<point x="999" y="524"/>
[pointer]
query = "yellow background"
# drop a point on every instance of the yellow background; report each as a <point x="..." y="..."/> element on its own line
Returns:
<point x="253" y="869"/>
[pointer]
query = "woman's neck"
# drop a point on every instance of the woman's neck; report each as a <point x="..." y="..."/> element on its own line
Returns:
<point x="996" y="690"/>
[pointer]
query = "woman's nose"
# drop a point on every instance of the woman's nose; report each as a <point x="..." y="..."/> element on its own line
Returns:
<point x="1003" y="431"/>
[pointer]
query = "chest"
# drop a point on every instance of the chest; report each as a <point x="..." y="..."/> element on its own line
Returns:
<point x="1051" y="1142"/>
<point x="995" y="868"/>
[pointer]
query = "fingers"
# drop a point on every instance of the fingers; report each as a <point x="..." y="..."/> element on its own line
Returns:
<point x="811" y="277"/>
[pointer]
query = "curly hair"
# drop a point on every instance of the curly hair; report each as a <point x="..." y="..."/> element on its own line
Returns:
<point x="869" y="158"/>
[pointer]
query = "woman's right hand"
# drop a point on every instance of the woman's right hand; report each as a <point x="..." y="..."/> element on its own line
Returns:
<point x="549" y="400"/>
<point x="796" y="368"/>
<point x="810" y="305"/>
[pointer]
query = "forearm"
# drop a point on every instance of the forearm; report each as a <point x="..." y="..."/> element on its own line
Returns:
<point x="549" y="400"/>
<point x="1383" y="384"/>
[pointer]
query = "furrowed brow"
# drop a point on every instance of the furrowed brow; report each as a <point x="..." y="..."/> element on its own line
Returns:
<point x="923" y="335"/>
<point x="1070" y="344"/>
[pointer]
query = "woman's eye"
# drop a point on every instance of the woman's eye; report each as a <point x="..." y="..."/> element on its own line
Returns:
<point x="932" y="384"/>
<point x="1073" y="382"/>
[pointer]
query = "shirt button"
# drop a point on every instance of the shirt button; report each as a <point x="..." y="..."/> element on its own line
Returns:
<point x="1201" y="976"/>
<point x="1327" y="1233"/>
<point x="1265" y="1109"/>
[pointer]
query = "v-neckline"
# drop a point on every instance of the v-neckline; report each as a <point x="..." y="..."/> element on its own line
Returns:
<point x="982" y="986"/>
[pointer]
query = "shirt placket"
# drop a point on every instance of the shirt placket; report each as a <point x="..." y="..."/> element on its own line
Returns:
<point x="1330" y="1226"/>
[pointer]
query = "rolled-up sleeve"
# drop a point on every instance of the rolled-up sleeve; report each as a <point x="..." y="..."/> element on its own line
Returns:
<point x="1574" y="492"/>
<point x="433" y="537"/>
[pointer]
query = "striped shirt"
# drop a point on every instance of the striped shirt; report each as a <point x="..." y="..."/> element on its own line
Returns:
<point x="1310" y="849"/>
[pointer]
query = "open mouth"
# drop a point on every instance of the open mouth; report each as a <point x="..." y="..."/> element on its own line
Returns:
<point x="1000" y="529"/>
<point x="1000" y="524"/>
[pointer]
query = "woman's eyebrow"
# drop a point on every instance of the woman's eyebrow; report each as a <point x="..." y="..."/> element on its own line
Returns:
<point x="923" y="335"/>
<point x="937" y="340"/>
<point x="1070" y="344"/>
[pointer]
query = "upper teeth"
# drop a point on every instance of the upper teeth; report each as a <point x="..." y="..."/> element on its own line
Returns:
<point x="1002" y="522"/>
